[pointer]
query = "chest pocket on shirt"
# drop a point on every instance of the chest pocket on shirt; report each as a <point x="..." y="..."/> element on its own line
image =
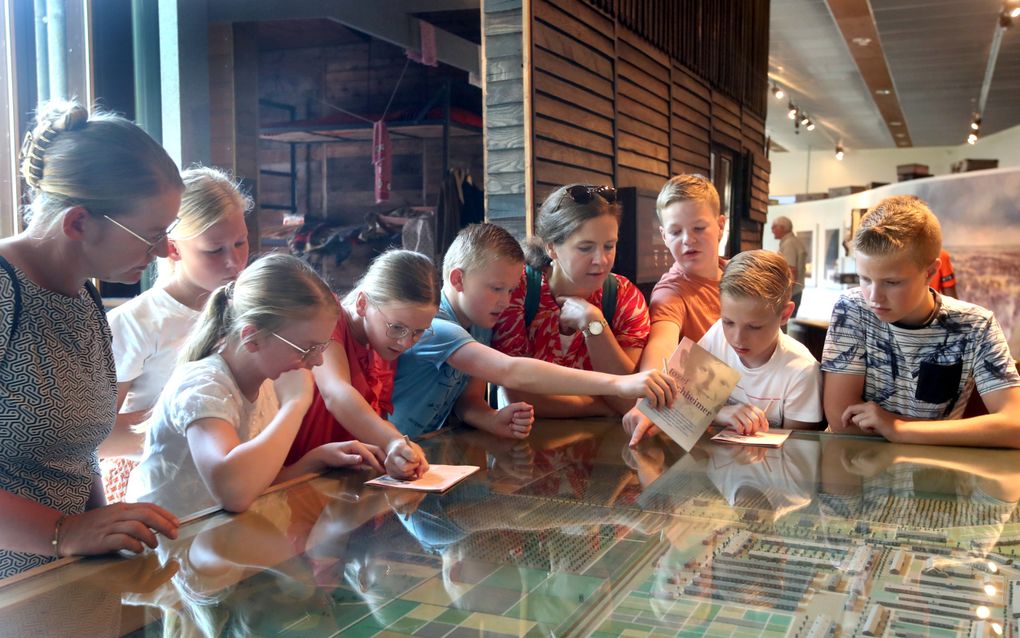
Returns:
<point x="938" y="383"/>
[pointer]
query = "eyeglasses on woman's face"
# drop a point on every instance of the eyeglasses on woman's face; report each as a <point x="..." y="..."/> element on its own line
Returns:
<point x="150" y="243"/>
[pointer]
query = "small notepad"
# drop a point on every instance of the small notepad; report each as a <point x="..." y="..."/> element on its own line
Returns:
<point x="439" y="478"/>
<point x="772" y="438"/>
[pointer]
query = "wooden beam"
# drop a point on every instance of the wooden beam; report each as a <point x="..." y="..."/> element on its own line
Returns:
<point x="857" y="24"/>
<point x="388" y="20"/>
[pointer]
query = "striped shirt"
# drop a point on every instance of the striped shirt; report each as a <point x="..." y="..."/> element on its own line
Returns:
<point x="924" y="373"/>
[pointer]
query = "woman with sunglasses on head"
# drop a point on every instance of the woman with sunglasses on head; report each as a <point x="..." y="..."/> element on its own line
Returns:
<point x="569" y="308"/>
<point x="389" y="310"/>
<point x="220" y="432"/>
<point x="207" y="247"/>
<point x="102" y="194"/>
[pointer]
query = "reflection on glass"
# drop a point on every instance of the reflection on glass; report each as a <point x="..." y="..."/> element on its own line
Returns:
<point x="572" y="531"/>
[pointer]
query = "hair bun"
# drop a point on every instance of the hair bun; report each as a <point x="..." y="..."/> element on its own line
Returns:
<point x="53" y="118"/>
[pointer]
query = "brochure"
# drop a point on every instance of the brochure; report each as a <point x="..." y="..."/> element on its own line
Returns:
<point x="705" y="384"/>
<point x="439" y="478"/>
<point x="772" y="438"/>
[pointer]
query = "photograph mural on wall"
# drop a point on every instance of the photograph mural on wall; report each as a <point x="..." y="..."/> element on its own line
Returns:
<point x="980" y="217"/>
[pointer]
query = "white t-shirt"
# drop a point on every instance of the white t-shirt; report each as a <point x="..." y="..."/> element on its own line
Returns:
<point x="148" y="334"/>
<point x="167" y="475"/>
<point x="790" y="381"/>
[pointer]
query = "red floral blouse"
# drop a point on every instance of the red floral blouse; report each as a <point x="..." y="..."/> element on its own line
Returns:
<point x="630" y="325"/>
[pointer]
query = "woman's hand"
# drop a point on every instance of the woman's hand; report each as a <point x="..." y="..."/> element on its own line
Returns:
<point x="405" y="460"/>
<point x="657" y="387"/>
<point x="576" y="314"/>
<point x="296" y="386"/>
<point x="130" y="526"/>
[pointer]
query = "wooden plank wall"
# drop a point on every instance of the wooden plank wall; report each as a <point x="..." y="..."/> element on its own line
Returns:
<point x="505" y="134"/>
<point x="610" y="107"/>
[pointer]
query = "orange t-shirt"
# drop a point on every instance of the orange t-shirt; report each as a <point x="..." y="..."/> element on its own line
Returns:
<point x="944" y="277"/>
<point x="689" y="301"/>
<point x="371" y="376"/>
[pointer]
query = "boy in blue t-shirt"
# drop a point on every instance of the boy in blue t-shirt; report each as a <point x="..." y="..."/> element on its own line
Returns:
<point x="481" y="268"/>
<point x="901" y="360"/>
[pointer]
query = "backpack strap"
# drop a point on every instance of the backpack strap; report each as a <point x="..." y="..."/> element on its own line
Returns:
<point x="609" y="289"/>
<point x="16" y="287"/>
<point x="533" y="281"/>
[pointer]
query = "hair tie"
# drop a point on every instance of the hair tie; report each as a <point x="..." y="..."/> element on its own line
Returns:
<point x="228" y="290"/>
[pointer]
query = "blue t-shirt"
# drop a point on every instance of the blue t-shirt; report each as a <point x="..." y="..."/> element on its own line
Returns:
<point x="426" y="387"/>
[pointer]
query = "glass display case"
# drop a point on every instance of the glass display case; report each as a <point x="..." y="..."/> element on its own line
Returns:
<point x="570" y="532"/>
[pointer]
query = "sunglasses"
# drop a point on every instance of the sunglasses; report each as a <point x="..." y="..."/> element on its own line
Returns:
<point x="585" y="193"/>
<point x="306" y="353"/>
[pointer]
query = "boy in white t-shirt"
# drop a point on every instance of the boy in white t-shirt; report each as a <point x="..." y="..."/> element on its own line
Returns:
<point x="780" y="382"/>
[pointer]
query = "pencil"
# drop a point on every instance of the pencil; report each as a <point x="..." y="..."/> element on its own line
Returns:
<point x="665" y="366"/>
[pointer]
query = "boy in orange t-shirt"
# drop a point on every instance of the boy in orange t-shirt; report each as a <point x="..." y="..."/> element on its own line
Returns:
<point x="685" y="302"/>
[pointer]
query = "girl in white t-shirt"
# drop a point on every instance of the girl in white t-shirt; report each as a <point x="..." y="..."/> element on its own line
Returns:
<point x="221" y="429"/>
<point x="780" y="381"/>
<point x="207" y="247"/>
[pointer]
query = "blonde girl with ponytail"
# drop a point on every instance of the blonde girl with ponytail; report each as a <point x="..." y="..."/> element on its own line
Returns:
<point x="389" y="311"/>
<point x="102" y="195"/>
<point x="220" y="432"/>
<point x="207" y="247"/>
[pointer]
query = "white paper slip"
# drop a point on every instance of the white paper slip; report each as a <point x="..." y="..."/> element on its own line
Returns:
<point x="772" y="438"/>
<point x="439" y="478"/>
<point x="705" y="384"/>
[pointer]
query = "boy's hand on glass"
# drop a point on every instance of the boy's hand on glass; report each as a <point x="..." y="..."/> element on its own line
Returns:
<point x="576" y="313"/>
<point x="515" y="420"/>
<point x="871" y="419"/>
<point x="653" y="385"/>
<point x="296" y="386"/>
<point x="405" y="460"/>
<point x="745" y="419"/>
<point x="637" y="425"/>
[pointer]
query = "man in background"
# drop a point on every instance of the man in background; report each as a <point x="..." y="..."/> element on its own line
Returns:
<point x="792" y="248"/>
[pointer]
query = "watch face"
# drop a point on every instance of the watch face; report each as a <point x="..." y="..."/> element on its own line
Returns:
<point x="595" y="327"/>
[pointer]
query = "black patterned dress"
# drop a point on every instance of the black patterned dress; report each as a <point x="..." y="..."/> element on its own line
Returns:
<point x="58" y="395"/>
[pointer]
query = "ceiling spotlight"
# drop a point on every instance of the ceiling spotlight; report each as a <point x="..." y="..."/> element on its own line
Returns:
<point x="792" y="112"/>
<point x="972" y="138"/>
<point x="1015" y="12"/>
<point x="882" y="92"/>
<point x="840" y="152"/>
<point x="778" y="92"/>
<point x="975" y="124"/>
<point x="804" y="119"/>
<point x="810" y="125"/>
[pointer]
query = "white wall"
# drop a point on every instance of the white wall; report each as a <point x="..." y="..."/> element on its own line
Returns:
<point x="818" y="171"/>
<point x="979" y="210"/>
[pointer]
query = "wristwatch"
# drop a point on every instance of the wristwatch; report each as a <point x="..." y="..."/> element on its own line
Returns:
<point x="595" y="328"/>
